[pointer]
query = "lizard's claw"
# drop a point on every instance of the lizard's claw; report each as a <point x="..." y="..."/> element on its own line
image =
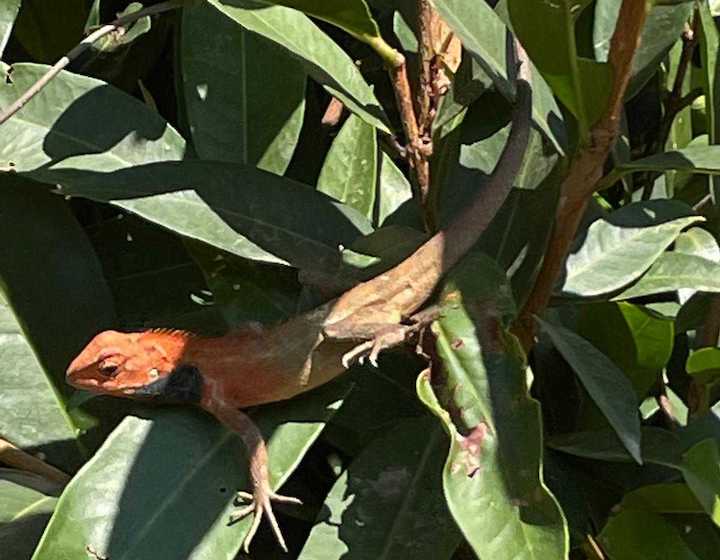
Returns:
<point x="386" y="338"/>
<point x="261" y="504"/>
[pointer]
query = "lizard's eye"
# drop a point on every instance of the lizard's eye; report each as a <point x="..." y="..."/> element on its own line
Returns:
<point x="108" y="369"/>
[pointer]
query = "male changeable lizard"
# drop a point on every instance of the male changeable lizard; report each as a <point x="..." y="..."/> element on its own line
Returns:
<point x="257" y="365"/>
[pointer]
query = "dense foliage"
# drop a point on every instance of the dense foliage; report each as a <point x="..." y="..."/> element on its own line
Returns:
<point x="213" y="162"/>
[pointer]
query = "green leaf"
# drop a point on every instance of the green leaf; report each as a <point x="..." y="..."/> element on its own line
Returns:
<point x="81" y="121"/>
<point x="582" y="84"/>
<point x="350" y="168"/>
<point x="484" y="35"/>
<point x="128" y="502"/>
<point x="704" y="364"/>
<point x="675" y="271"/>
<point x="389" y="503"/>
<point x="322" y="58"/>
<point x="659" y="446"/>
<point x="226" y="83"/>
<point x="25" y="508"/>
<point x="493" y="474"/>
<point x="696" y="158"/>
<point x="49" y="30"/>
<point x="670" y="497"/>
<point x="265" y="220"/>
<point x="8" y="13"/>
<point x="393" y="189"/>
<point x="54" y="266"/>
<point x="640" y="535"/>
<point x="709" y="45"/>
<point x="663" y="26"/>
<point x="637" y="340"/>
<point x="701" y="469"/>
<point x="608" y="386"/>
<point x="616" y="250"/>
<point x="351" y="15"/>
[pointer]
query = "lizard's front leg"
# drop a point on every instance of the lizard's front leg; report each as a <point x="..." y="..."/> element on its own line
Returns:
<point x="262" y="495"/>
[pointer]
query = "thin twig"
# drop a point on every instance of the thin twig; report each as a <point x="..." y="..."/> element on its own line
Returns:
<point x="81" y="47"/>
<point x="426" y="54"/>
<point x="586" y="168"/>
<point x="15" y="457"/>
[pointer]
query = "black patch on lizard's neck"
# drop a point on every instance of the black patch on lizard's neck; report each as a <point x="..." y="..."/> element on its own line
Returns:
<point x="183" y="385"/>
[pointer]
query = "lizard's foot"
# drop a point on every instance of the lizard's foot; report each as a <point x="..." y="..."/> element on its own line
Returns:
<point x="261" y="504"/>
<point x="391" y="336"/>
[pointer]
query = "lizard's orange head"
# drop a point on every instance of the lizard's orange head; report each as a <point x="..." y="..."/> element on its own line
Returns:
<point x="127" y="364"/>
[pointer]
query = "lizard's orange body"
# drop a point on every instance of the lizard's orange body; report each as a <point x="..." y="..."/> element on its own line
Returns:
<point x="260" y="365"/>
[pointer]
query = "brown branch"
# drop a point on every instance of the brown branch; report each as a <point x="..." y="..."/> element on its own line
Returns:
<point x="15" y="457"/>
<point x="81" y="47"/>
<point x="333" y="113"/>
<point x="426" y="54"/>
<point x="417" y="155"/>
<point x="586" y="168"/>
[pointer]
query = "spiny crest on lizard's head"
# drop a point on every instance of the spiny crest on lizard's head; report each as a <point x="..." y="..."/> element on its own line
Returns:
<point x="125" y="364"/>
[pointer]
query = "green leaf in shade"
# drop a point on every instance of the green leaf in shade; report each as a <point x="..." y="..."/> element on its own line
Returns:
<point x="8" y="13"/>
<point x="701" y="469"/>
<point x="389" y="503"/>
<point x="709" y="45"/>
<point x="322" y="58"/>
<point x="26" y="503"/>
<point x="669" y="497"/>
<point x="266" y="219"/>
<point x="350" y="168"/>
<point x="616" y="250"/>
<point x="608" y="386"/>
<point x="696" y="158"/>
<point x="227" y="77"/>
<point x="128" y="501"/>
<point x="393" y="189"/>
<point x="582" y="84"/>
<point x="83" y="120"/>
<point x="54" y="265"/>
<point x="663" y="26"/>
<point x="493" y="474"/>
<point x="640" y="535"/>
<point x="637" y="340"/>
<point x="484" y="35"/>
<point x="351" y="15"/>
<point x="48" y="30"/>
<point x="517" y="236"/>
<point x="675" y="271"/>
<point x="704" y="364"/>
<point x="659" y="446"/>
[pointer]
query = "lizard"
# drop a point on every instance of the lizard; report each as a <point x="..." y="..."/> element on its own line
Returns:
<point x="253" y="365"/>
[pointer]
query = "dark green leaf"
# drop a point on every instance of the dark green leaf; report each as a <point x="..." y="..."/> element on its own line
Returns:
<point x="636" y="339"/>
<point x="130" y="502"/>
<point x="671" y="497"/>
<point x="48" y="30"/>
<point x="704" y="364"/>
<point x="393" y="189"/>
<point x="350" y="169"/>
<point x="240" y="209"/>
<point x="49" y="282"/>
<point x="582" y="84"/>
<point x="323" y="59"/>
<point x="227" y="75"/>
<point x="640" y="535"/>
<point x="608" y="386"/>
<point x="484" y="35"/>
<point x="389" y="503"/>
<point x="701" y="469"/>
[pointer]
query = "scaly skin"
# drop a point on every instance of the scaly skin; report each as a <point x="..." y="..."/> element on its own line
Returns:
<point x="253" y="366"/>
